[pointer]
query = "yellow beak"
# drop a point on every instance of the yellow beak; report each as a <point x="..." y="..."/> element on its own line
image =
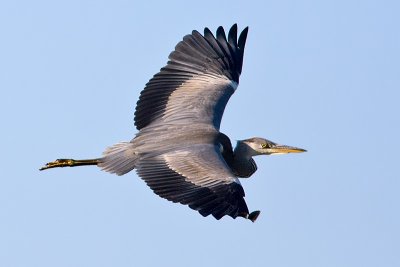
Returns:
<point x="282" y="149"/>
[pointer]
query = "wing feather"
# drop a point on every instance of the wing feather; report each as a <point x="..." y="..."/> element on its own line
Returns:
<point x="196" y="176"/>
<point x="201" y="69"/>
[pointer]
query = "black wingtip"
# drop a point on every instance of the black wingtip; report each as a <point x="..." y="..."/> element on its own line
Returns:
<point x="232" y="36"/>
<point x="221" y="34"/>
<point x="208" y="32"/>
<point x="254" y="215"/>
<point x="242" y="38"/>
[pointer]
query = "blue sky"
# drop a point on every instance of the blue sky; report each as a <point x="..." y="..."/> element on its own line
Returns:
<point x="322" y="75"/>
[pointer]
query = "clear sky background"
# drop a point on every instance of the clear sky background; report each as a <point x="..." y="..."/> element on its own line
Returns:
<point x="322" y="75"/>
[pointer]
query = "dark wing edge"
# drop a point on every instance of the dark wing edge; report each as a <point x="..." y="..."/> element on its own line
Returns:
<point x="194" y="56"/>
<point x="184" y="180"/>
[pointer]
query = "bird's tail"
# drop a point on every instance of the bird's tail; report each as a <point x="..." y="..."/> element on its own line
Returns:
<point x="119" y="158"/>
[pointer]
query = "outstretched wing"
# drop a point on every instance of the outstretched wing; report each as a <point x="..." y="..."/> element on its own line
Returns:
<point x="196" y="176"/>
<point x="197" y="82"/>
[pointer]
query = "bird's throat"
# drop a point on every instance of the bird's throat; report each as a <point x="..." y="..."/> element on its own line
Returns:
<point x="243" y="163"/>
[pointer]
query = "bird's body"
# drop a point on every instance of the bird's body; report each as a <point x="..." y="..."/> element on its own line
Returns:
<point x="179" y="150"/>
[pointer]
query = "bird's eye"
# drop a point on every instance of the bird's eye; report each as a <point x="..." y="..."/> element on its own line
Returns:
<point x="264" y="145"/>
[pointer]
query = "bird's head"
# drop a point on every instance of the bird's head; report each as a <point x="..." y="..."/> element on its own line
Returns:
<point x="260" y="146"/>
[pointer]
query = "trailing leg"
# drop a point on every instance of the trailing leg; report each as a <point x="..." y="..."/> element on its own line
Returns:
<point x="69" y="163"/>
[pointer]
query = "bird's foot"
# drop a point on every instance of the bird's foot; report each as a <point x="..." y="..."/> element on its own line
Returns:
<point x="59" y="163"/>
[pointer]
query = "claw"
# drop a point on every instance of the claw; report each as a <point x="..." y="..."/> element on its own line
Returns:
<point x="58" y="163"/>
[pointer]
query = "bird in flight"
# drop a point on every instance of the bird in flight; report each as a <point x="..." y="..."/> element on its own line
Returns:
<point x="179" y="150"/>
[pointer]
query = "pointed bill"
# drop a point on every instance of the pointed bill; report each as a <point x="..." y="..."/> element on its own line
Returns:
<point x="283" y="149"/>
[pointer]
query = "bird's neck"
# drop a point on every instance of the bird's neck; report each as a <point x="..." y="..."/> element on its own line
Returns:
<point x="243" y="163"/>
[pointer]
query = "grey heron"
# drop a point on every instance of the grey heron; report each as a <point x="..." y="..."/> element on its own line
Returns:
<point x="179" y="150"/>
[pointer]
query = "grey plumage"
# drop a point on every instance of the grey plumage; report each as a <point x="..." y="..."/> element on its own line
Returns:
<point x="179" y="151"/>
